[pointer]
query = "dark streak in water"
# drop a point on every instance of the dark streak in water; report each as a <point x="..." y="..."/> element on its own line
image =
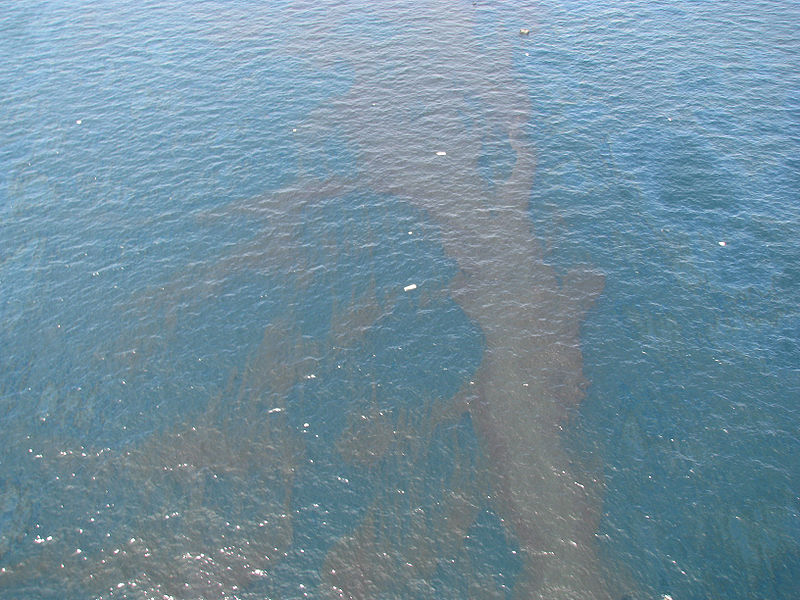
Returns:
<point x="531" y="375"/>
<point x="431" y="87"/>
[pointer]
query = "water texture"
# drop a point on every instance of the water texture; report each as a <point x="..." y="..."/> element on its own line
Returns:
<point x="349" y="301"/>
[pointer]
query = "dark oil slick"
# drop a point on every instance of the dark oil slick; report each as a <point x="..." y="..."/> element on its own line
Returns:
<point x="294" y="297"/>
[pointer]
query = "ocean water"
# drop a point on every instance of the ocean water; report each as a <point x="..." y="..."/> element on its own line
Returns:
<point x="324" y="300"/>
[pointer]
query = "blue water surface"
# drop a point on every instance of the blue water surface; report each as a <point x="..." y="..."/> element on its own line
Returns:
<point x="667" y="136"/>
<point x="206" y="344"/>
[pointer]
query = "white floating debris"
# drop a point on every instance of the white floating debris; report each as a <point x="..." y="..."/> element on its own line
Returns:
<point x="722" y="243"/>
<point x="410" y="287"/>
<point x="272" y="411"/>
<point x="311" y="376"/>
<point x="294" y="130"/>
<point x="410" y="233"/>
<point x="440" y="153"/>
<point x="524" y="31"/>
<point x="78" y="122"/>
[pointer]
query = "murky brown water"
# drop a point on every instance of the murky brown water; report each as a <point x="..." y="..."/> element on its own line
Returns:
<point x="422" y="105"/>
<point x="531" y="375"/>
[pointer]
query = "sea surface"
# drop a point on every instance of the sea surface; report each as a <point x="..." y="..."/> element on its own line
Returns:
<point x="389" y="300"/>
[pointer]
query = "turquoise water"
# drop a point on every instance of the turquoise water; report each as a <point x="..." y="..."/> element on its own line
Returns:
<point x="394" y="302"/>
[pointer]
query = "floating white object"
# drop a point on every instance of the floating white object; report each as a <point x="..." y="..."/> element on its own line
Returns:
<point x="524" y="31"/>
<point x="78" y="122"/>
<point x="410" y="287"/>
<point x="440" y="153"/>
<point x="722" y="243"/>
